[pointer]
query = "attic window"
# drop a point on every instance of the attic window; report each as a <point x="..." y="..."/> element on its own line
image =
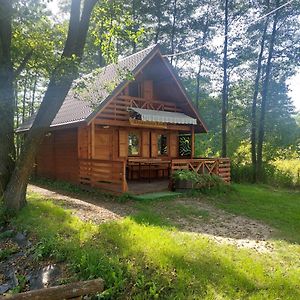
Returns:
<point x="135" y="89"/>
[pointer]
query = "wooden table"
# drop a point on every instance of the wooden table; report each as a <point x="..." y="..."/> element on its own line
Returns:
<point x="141" y="164"/>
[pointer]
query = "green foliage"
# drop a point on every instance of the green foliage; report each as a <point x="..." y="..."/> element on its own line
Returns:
<point x="5" y="253"/>
<point x="199" y="180"/>
<point x="4" y="217"/>
<point x="22" y="280"/>
<point x="6" y="234"/>
<point x="140" y="261"/>
<point x="282" y="173"/>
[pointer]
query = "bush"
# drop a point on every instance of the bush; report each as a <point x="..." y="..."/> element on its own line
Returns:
<point x="272" y="174"/>
<point x="199" y="181"/>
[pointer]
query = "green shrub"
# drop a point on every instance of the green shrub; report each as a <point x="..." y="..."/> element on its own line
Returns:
<point x="271" y="174"/>
<point x="199" y="181"/>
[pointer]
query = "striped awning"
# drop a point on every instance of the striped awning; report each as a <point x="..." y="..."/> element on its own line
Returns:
<point x="163" y="116"/>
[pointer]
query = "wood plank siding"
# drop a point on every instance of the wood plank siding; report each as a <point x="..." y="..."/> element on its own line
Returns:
<point x="57" y="157"/>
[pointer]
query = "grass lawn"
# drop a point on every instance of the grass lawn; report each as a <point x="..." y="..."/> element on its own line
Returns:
<point x="144" y="257"/>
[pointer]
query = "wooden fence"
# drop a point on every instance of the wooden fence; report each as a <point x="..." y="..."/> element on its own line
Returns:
<point x="217" y="166"/>
<point x="105" y="174"/>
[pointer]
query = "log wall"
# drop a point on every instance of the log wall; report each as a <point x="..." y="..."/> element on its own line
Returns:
<point x="57" y="157"/>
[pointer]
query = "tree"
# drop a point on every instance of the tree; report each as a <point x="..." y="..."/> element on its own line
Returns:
<point x="254" y="102"/>
<point x="60" y="83"/>
<point x="7" y="150"/>
<point x="225" y="83"/>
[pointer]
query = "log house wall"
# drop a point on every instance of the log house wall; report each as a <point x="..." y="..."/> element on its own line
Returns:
<point x="57" y="157"/>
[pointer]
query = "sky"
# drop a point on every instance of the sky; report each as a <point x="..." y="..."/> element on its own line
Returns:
<point x="293" y="82"/>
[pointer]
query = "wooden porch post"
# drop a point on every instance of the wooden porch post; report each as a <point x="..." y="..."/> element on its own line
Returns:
<point x="193" y="143"/>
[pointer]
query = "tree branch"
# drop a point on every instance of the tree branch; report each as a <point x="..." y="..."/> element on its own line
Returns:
<point x="73" y="28"/>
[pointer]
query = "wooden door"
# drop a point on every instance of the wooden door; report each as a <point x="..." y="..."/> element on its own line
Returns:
<point x="123" y="143"/>
<point x="145" y="143"/>
<point x="103" y="144"/>
<point x="154" y="151"/>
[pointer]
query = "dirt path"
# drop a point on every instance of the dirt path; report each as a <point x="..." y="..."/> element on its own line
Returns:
<point x="224" y="227"/>
<point x="219" y="226"/>
<point x="95" y="209"/>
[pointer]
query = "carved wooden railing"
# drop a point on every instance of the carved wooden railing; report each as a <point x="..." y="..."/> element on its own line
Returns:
<point x="105" y="174"/>
<point x="217" y="166"/>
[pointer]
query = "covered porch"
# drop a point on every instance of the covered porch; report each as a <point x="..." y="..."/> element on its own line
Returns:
<point x="118" y="175"/>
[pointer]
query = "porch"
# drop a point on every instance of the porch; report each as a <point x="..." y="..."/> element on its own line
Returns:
<point x="141" y="175"/>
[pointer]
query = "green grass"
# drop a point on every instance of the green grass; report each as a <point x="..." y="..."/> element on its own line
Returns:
<point x="5" y="253"/>
<point x="279" y="208"/>
<point x="145" y="257"/>
<point x="156" y="196"/>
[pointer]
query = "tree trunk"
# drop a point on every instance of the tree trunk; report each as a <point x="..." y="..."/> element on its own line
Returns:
<point x="225" y="84"/>
<point x="204" y="37"/>
<point x="59" y="85"/>
<point x="7" y="100"/>
<point x="264" y="96"/>
<point x="158" y="16"/>
<point x="134" y="17"/>
<point x="33" y="95"/>
<point x="24" y="99"/>
<point x="254" y="103"/>
<point x="173" y="29"/>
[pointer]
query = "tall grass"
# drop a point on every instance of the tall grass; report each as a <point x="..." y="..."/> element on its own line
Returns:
<point x="282" y="173"/>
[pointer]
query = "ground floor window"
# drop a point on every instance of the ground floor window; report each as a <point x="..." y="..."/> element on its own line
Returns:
<point x="133" y="144"/>
<point x="185" y="145"/>
<point x="162" y="143"/>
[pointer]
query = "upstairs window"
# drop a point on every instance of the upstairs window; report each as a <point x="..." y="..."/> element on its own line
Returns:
<point x="162" y="144"/>
<point x="133" y="144"/>
<point x="135" y="89"/>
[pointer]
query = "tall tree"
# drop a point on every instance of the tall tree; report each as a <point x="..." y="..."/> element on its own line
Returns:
<point x="59" y="85"/>
<point x="7" y="151"/>
<point x="254" y="101"/>
<point x="225" y="82"/>
<point x="265" y="90"/>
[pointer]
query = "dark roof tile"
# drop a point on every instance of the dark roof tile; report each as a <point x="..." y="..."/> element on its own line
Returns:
<point x="78" y="106"/>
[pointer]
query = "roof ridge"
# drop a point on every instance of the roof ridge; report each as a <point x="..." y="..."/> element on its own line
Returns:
<point x="138" y="52"/>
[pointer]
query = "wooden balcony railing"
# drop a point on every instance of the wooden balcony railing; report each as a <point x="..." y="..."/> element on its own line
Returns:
<point x="217" y="166"/>
<point x="105" y="174"/>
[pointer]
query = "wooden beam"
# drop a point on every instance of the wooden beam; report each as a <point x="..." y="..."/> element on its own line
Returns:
<point x="127" y="124"/>
<point x="193" y="143"/>
<point x="67" y="291"/>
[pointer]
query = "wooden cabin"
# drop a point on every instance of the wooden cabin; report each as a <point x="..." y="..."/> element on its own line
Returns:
<point x="132" y="123"/>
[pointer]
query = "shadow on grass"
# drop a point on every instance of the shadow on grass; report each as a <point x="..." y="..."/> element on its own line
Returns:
<point x="279" y="208"/>
<point x="142" y="261"/>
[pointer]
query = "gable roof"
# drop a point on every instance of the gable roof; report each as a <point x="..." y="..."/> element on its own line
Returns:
<point x="80" y="107"/>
